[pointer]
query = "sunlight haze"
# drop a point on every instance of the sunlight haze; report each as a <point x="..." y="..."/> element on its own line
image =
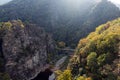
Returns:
<point x="115" y="1"/>
<point x="4" y="1"/>
<point x="73" y="2"/>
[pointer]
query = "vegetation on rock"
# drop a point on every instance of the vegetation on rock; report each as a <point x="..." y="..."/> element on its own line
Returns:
<point x="24" y="50"/>
<point x="97" y="55"/>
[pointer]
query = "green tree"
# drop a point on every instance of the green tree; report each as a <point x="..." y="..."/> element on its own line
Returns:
<point x="83" y="78"/>
<point x="7" y="25"/>
<point x="92" y="62"/>
<point x="66" y="75"/>
<point x="61" y="44"/>
<point x="101" y="59"/>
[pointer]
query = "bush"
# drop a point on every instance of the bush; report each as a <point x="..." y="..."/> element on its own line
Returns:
<point x="66" y="75"/>
<point x="7" y="25"/>
<point x="61" y="44"/>
<point x="83" y="78"/>
<point x="4" y="76"/>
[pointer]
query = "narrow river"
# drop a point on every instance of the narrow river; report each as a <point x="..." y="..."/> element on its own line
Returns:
<point x="57" y="67"/>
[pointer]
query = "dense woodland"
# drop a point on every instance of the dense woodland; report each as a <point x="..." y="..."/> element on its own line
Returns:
<point x="97" y="55"/>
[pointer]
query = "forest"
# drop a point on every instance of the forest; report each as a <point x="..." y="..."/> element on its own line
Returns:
<point x="60" y="40"/>
<point x="97" y="55"/>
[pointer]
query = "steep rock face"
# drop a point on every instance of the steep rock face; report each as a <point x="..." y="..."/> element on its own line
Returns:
<point x="25" y="49"/>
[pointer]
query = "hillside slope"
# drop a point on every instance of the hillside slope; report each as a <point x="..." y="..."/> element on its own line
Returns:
<point x="97" y="56"/>
<point x="60" y="19"/>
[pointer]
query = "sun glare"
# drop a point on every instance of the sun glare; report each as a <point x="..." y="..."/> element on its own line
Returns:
<point x="72" y="3"/>
<point x="115" y="1"/>
<point x="4" y="1"/>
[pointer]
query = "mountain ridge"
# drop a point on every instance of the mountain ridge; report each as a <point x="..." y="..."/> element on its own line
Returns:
<point x="57" y="20"/>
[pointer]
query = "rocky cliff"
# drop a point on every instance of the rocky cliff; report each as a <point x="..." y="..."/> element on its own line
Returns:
<point x="24" y="50"/>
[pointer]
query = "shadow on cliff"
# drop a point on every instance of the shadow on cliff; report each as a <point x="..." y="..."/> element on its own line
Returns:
<point x="43" y="75"/>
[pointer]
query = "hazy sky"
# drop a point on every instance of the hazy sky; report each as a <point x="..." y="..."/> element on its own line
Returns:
<point x="5" y="1"/>
<point x="115" y="1"/>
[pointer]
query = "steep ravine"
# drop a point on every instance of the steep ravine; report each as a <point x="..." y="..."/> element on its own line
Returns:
<point x="49" y="74"/>
<point x="24" y="50"/>
<point x="61" y="64"/>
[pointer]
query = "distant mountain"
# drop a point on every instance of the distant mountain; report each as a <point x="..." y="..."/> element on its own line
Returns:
<point x="101" y="13"/>
<point x="66" y="22"/>
<point x="84" y="21"/>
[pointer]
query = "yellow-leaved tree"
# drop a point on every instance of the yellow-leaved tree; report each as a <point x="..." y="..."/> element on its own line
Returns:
<point x="66" y="75"/>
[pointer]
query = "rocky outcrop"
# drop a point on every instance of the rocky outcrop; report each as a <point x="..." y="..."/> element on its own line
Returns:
<point x="25" y="49"/>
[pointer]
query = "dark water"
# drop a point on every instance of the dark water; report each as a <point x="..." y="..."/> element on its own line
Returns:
<point x="43" y="75"/>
